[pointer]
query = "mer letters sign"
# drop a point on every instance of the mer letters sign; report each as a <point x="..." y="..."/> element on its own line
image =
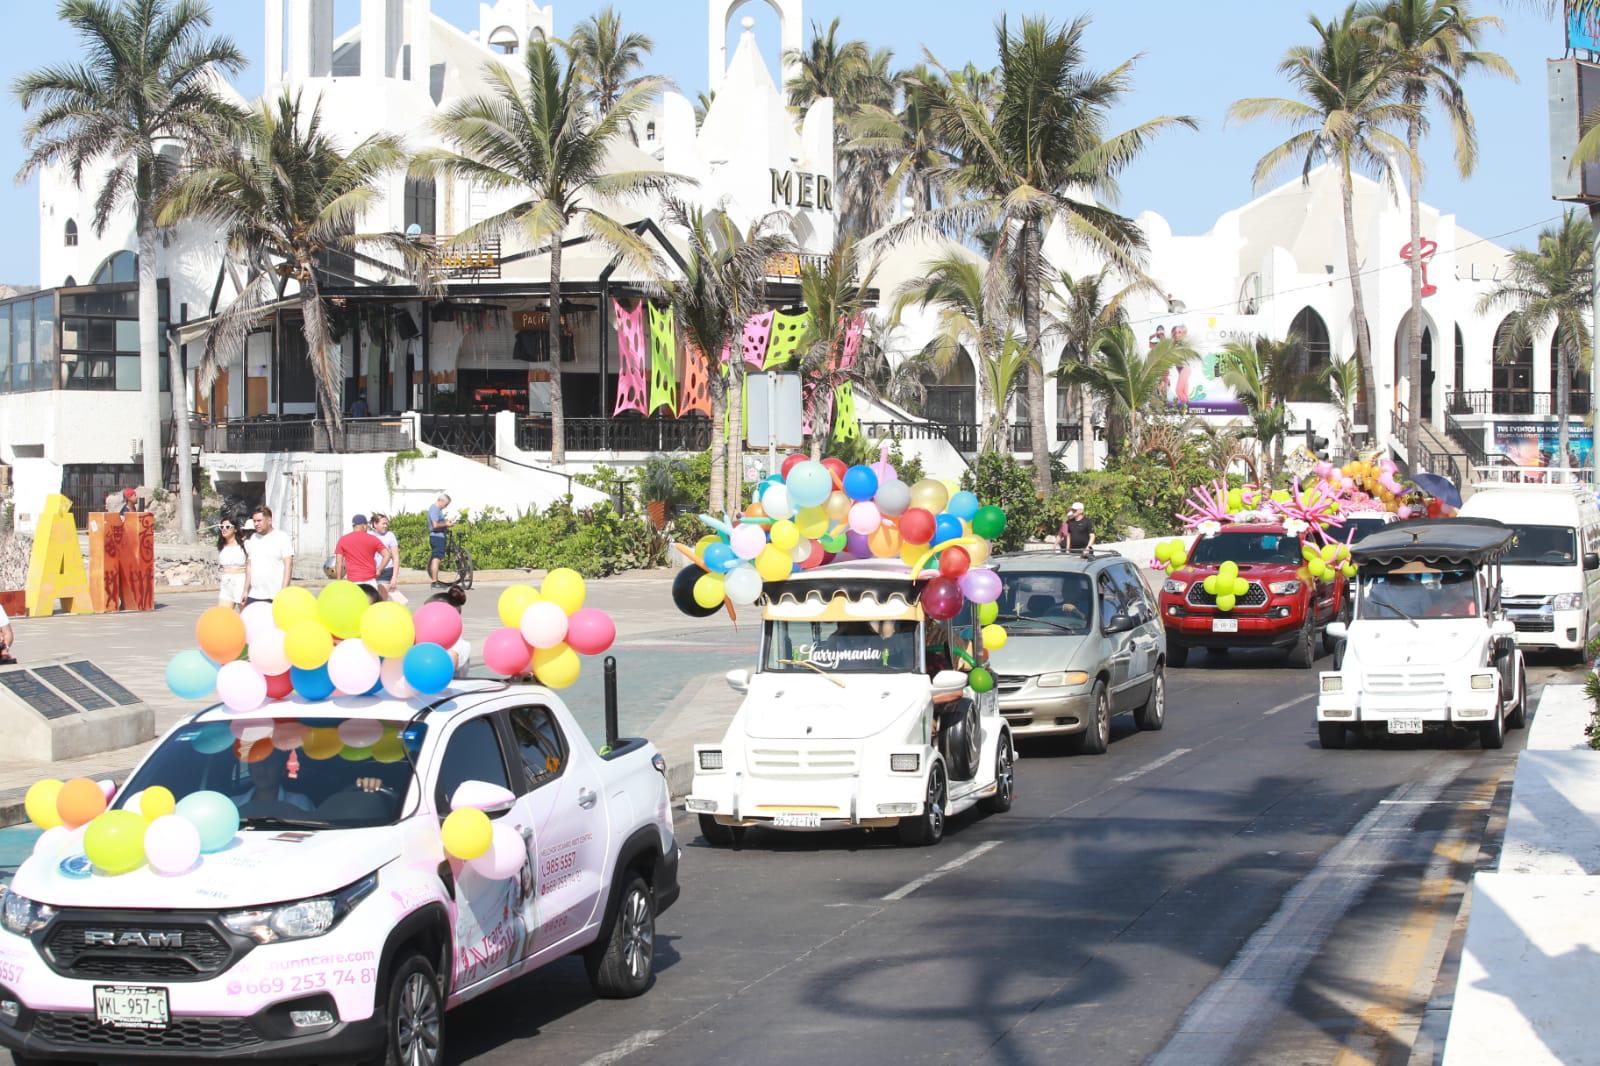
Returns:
<point x="795" y="188"/>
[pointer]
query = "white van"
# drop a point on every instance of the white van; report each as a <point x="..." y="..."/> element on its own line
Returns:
<point x="1551" y="576"/>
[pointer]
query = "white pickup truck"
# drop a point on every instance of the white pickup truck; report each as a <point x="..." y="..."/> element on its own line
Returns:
<point x="334" y="928"/>
<point x="855" y="718"/>
<point x="1429" y="646"/>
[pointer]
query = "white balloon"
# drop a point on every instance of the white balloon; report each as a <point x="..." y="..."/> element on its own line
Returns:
<point x="775" y="501"/>
<point x="742" y="585"/>
<point x="352" y="668"/>
<point x="893" y="498"/>
<point x="257" y="619"/>
<point x="394" y="678"/>
<point x="266" y="652"/>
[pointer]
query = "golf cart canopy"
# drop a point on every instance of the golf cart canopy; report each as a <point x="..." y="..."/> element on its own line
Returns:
<point x="1463" y="541"/>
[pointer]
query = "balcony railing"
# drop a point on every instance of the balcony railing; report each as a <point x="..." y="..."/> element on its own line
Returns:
<point x="617" y="434"/>
<point x="470" y="433"/>
<point x="1512" y="402"/>
<point x="964" y="437"/>
<point x="308" y="435"/>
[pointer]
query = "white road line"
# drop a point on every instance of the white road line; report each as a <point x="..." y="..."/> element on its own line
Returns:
<point x="1431" y="803"/>
<point x="1286" y="704"/>
<point x="627" y="1047"/>
<point x="954" y="864"/>
<point x="1154" y="764"/>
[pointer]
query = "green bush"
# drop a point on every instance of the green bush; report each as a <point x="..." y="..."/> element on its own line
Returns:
<point x="1007" y="483"/>
<point x="594" y="541"/>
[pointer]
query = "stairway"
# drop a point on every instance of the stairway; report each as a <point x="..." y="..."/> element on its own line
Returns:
<point x="1441" y="454"/>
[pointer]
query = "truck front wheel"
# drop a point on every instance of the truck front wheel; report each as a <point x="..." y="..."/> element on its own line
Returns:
<point x="414" y="1015"/>
<point x="622" y="962"/>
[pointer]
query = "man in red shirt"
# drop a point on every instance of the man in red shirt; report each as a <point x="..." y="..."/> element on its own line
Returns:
<point x="361" y="555"/>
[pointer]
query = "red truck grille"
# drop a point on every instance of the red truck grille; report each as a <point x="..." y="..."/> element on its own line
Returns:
<point x="1199" y="597"/>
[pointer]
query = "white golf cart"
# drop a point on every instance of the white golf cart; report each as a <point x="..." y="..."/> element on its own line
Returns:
<point x="1429" y="646"/>
<point x="855" y="717"/>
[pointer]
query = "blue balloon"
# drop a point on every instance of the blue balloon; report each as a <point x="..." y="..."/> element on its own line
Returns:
<point x="428" y="668"/>
<point x="211" y="739"/>
<point x="312" y="684"/>
<point x="720" y="558"/>
<point x="946" y="527"/>
<point x="213" y="815"/>
<point x="860" y="483"/>
<point x="809" y="484"/>
<point x="191" y="676"/>
<point x="963" y="505"/>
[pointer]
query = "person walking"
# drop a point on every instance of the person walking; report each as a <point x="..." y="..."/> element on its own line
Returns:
<point x="437" y="525"/>
<point x="360" y="555"/>
<point x="388" y="576"/>
<point x="234" y="564"/>
<point x="271" y="558"/>
<point x="1077" y="530"/>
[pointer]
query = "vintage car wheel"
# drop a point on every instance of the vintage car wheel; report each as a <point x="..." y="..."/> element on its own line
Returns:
<point x="961" y="739"/>
<point x="1492" y="735"/>
<point x="1005" y="780"/>
<point x="927" y="828"/>
<point x="1518" y="718"/>
<point x="1331" y="734"/>
<point x="1177" y="654"/>
<point x="1153" y="715"/>
<point x="716" y="834"/>
<point x="1095" y="739"/>
<point x="622" y="963"/>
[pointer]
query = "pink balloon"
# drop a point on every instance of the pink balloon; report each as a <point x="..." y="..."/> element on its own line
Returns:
<point x="981" y="585"/>
<point x="361" y="732"/>
<point x="286" y="736"/>
<point x="393" y="673"/>
<point x="241" y="687"/>
<point x="885" y="471"/>
<point x="108" y="787"/>
<point x="506" y="653"/>
<point x="747" y="540"/>
<point x="352" y="668"/>
<point x="266" y="651"/>
<point x="257" y="619"/>
<point x="544" y="625"/>
<point x="590" y="631"/>
<point x="437" y="623"/>
<point x="171" y="845"/>
<point x="941" y="598"/>
<point x="507" y="852"/>
<point x="864" y="517"/>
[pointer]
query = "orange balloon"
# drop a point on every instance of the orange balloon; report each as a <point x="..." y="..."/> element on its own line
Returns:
<point x="755" y="510"/>
<point x="258" y="750"/>
<point x="220" y="633"/>
<point x="79" y="802"/>
<point x="884" y="542"/>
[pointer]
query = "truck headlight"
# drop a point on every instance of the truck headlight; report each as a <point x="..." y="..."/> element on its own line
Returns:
<point x="1062" y="679"/>
<point x="1174" y="586"/>
<point x="23" y="916"/>
<point x="1333" y="685"/>
<point x="301" y="919"/>
<point x="710" y="760"/>
<point x="1567" y="601"/>
<point x="1284" y="588"/>
<point x="1484" y="682"/>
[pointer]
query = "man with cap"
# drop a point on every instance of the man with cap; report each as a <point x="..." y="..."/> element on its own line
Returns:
<point x="1077" y="530"/>
<point x="361" y="555"/>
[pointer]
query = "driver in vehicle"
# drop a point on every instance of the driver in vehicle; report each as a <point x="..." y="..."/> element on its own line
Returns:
<point x="267" y="778"/>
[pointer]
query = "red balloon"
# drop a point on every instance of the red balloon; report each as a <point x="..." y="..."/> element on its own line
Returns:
<point x="954" y="561"/>
<point x="279" y="686"/>
<point x="816" y="558"/>
<point x="837" y="468"/>
<point x="916" y="526"/>
<point x="790" y="462"/>
<point x="941" y="598"/>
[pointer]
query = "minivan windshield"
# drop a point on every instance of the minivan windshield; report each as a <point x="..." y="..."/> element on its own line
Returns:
<point x="1246" y="546"/>
<point x="291" y="773"/>
<point x="1543" y="546"/>
<point x="884" y="646"/>
<point x="1434" y="594"/>
<point x="1045" y="602"/>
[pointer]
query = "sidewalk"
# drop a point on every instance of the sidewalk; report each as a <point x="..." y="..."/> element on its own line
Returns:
<point x="1531" y="961"/>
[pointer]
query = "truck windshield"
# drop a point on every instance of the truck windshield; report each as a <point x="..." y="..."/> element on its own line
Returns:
<point x="1543" y="546"/>
<point x="1246" y="546"/>
<point x="851" y="647"/>
<point x="1045" y="602"/>
<point x="287" y="773"/>
<point x="1436" y="594"/>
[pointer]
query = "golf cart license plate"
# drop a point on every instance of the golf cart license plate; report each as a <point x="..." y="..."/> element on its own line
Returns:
<point x="1405" y="725"/>
<point x="797" y="820"/>
<point x="130" y="1006"/>
<point x="1224" y="625"/>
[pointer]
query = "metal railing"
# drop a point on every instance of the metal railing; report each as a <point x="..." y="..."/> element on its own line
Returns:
<point x="617" y="434"/>
<point x="1512" y="402"/>
<point x="1465" y="440"/>
<point x="309" y="435"/>
<point x="470" y="433"/>
<point x="1504" y="473"/>
<point x="964" y="437"/>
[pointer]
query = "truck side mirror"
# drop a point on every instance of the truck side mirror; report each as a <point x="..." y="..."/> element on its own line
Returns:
<point x="482" y="795"/>
<point x="1591" y="560"/>
<point x="738" y="680"/>
<point x="948" y="683"/>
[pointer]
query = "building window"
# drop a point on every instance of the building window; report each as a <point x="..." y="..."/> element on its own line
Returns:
<point x="1513" y="374"/>
<point x="420" y="205"/>
<point x="504" y="41"/>
<point x="650" y="132"/>
<point x="119" y="268"/>
<point x="70" y="237"/>
<point x="1461" y="361"/>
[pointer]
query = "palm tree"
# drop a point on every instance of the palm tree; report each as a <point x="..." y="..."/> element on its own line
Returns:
<point x="1550" y="286"/>
<point x="1345" y="113"/>
<point x="606" y="59"/>
<point x="1432" y="45"/>
<point x="1266" y="375"/>
<point x="541" y="144"/>
<point x="903" y="144"/>
<point x="146" y="80"/>
<point x="1344" y="387"/>
<point x="835" y="295"/>
<point x="1081" y="311"/>
<point x="1039" y="156"/>
<point x="722" y="285"/>
<point x="283" y="198"/>
<point x="1125" y="380"/>
<point x="955" y="285"/>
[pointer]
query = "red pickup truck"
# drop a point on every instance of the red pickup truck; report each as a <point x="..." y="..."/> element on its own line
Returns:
<point x="1284" y="607"/>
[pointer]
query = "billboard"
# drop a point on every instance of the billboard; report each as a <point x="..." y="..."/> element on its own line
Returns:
<point x="1198" y="388"/>
<point x="1574" y="94"/>
<point x="1533" y="443"/>
<point x="1583" y="30"/>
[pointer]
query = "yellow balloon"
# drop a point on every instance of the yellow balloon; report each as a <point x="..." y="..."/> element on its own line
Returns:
<point x="293" y="604"/>
<point x="157" y="801"/>
<point x="951" y="487"/>
<point x="513" y="602"/>
<point x="701" y="545"/>
<point x="910" y="553"/>
<point x="564" y="587"/>
<point x="708" y="590"/>
<point x="390" y="749"/>
<point x="308" y="645"/>
<point x="994" y="637"/>
<point x="837" y="505"/>
<point x="929" y="495"/>
<point x="812" y="522"/>
<point x="884" y="542"/>
<point x="387" y="629"/>
<point x="773" y="565"/>
<point x="557" y="667"/>
<point x="340" y="606"/>
<point x="467" y="834"/>
<point x="322" y="743"/>
<point x="114" y="841"/>
<point x="785" y="535"/>
<point x="977" y="551"/>
<point x="40" y="803"/>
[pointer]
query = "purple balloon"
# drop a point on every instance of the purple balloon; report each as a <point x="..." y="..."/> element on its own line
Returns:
<point x="981" y="585"/>
<point x="856" y="544"/>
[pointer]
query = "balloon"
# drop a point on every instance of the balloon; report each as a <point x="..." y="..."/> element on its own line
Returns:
<point x="322" y="743"/>
<point x="860" y="483"/>
<point x="856" y="545"/>
<point x="785" y="535"/>
<point x="980" y="679"/>
<point x="683" y="586"/>
<point x="241" y="687"/>
<point x="591" y="631"/>
<point x="506" y="652"/>
<point x="1210" y="584"/>
<point x="1226" y="601"/>
<point x="564" y="587"/>
<point x="709" y="591"/>
<point x="249" y="751"/>
<point x="267" y="652"/>
<point x="954" y="561"/>
<point x="835" y="541"/>
<point x="79" y="801"/>
<point x="340" y="606"/>
<point x="505" y="857"/>
<point x="941" y="598"/>
<point x="994" y="637"/>
<point x="929" y="495"/>
<point x="360" y="732"/>
<point x="1318" y="568"/>
<point x="513" y="602"/>
<point x="544" y="625"/>
<point x="981" y="585"/>
<point x="977" y="551"/>
<point x="393" y="675"/>
<point x="776" y="501"/>
<point x="313" y="684"/>
<point x="288" y="736"/>
<point x="171" y="845"/>
<point x="257" y="619"/>
<point x="701" y="545"/>
<point x="114" y="841"/>
<point x="390" y="749"/>
<point x="946" y="527"/>
<point x="387" y="629"/>
<point x="893" y="497"/>
<point x="40" y="803"/>
<point x="1228" y="570"/>
<point x="353" y="668"/>
<point x="809" y="483"/>
<point x="864" y="517"/>
<point x="294" y="604"/>
<point x="811" y="522"/>
<point x="214" y="815"/>
<point x="556" y="667"/>
<point x="466" y="834"/>
<point x="989" y="522"/>
<point x="748" y="540"/>
<point x="987" y="613"/>
<point x="837" y="469"/>
<point x="220" y="634"/>
<point x="1240" y="586"/>
<point x="917" y="525"/>
<point x="428" y="668"/>
<point x="911" y="553"/>
<point x="212" y="739"/>
<point x="963" y="505"/>
<point x="191" y="676"/>
<point x="884" y="542"/>
<point x="791" y="461"/>
<point x="307" y="645"/>
<point x="743" y="585"/>
<point x="717" y="558"/>
<point x="437" y="623"/>
<point x="837" y="506"/>
<point x="885" y="471"/>
<point x="815" y="555"/>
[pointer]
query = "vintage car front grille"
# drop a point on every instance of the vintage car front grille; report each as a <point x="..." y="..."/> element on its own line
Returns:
<point x="189" y="1034"/>
<point x="204" y="953"/>
<point x="802" y="762"/>
<point x="1199" y="597"/>
<point x="1387" y="682"/>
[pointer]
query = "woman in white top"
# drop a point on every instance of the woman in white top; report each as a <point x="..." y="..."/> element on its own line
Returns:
<point x="235" y="566"/>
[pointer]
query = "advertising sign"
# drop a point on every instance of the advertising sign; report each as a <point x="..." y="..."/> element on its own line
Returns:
<point x="1583" y="31"/>
<point x="1198" y="387"/>
<point x="1534" y="443"/>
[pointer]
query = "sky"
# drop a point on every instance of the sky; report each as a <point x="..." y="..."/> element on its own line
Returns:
<point x="1193" y="58"/>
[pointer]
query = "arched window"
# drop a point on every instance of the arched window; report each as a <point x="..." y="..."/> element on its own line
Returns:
<point x="504" y="41"/>
<point x="1513" y="375"/>
<point x="70" y="236"/>
<point x="1578" y="392"/>
<point x="1402" y="363"/>
<point x="119" y="268"/>
<point x="420" y="205"/>
<point x="1316" y="351"/>
<point x="953" y="394"/>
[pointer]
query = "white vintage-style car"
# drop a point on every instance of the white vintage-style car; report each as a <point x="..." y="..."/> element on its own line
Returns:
<point x="1429" y="646"/>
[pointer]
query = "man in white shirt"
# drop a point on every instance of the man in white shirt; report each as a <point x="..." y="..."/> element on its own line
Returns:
<point x="5" y="638"/>
<point x="271" y="555"/>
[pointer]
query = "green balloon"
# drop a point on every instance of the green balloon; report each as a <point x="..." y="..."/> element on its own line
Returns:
<point x="989" y="522"/>
<point x="980" y="680"/>
<point x="987" y="613"/>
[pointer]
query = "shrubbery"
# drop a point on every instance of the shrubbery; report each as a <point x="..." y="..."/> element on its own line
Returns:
<point x="594" y="541"/>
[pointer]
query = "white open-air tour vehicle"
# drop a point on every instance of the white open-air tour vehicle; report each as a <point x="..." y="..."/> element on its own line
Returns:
<point x="854" y="717"/>
<point x="1430" y="645"/>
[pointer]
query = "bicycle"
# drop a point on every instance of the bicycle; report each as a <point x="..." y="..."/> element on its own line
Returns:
<point x="457" y="560"/>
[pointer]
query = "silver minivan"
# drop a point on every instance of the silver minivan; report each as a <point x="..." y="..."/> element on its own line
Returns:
<point x="1085" y="642"/>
